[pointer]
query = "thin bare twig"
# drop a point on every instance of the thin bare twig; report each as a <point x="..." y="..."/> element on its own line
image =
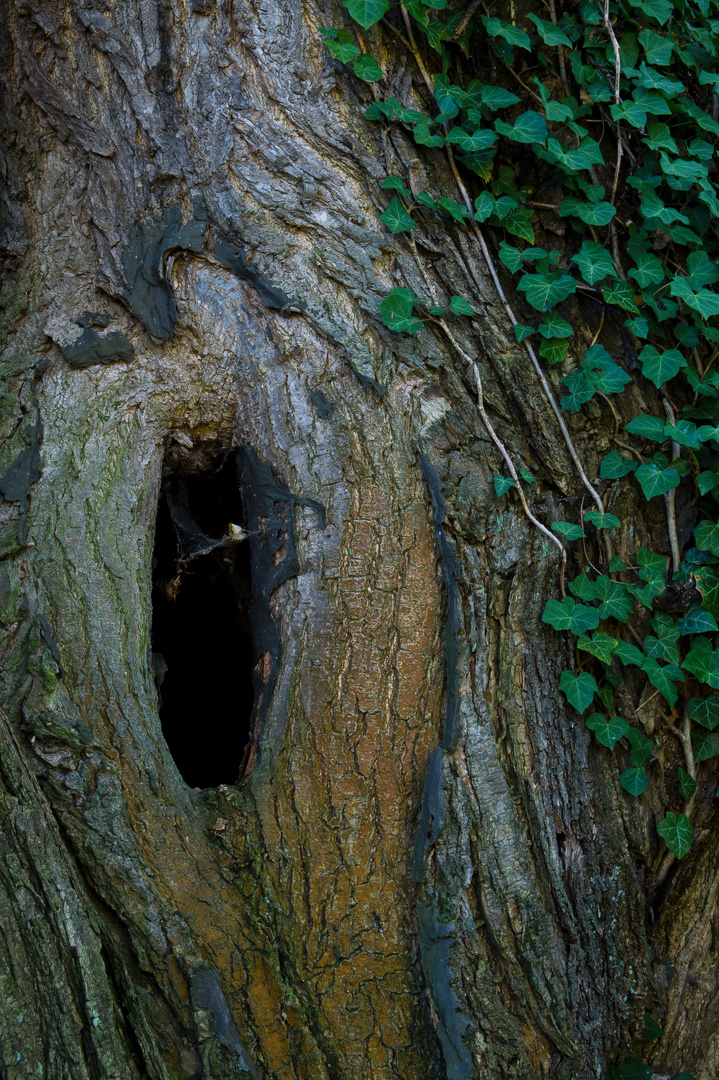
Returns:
<point x="669" y="500"/>
<point x="532" y="355"/>
<point x="560" y="50"/>
<point x="465" y="20"/>
<point x="513" y="473"/>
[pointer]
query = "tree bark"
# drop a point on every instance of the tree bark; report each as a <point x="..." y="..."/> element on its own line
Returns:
<point x="426" y="868"/>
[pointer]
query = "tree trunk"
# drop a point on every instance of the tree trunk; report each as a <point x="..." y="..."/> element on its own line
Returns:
<point x="425" y="868"/>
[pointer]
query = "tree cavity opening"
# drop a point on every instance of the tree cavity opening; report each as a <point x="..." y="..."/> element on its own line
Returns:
<point x="201" y="618"/>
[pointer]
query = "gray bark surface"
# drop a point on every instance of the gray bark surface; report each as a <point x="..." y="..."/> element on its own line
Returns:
<point x="202" y="177"/>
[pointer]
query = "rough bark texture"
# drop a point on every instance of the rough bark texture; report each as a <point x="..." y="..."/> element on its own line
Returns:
<point x="201" y="174"/>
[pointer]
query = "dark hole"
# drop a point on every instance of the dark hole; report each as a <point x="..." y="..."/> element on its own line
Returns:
<point x="201" y="626"/>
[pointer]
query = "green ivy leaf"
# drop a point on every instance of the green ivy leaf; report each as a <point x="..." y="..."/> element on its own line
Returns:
<point x="594" y="262"/>
<point x="706" y="536"/>
<point x="647" y="427"/>
<point x="638" y="326"/>
<point x="648" y="271"/>
<point x="661" y="10"/>
<point x="582" y="587"/>
<point x="703" y="662"/>
<point x="651" y="1028"/>
<point x="615" y="601"/>
<point x="677" y="831"/>
<point x="621" y="293"/>
<point x="578" y="689"/>
<point x="705" y="711"/>
<point x="459" y="306"/>
<point x="655" y="480"/>
<point x="545" y="290"/>
<point x="697" y="621"/>
<point x="566" y="614"/>
<point x="502" y="484"/>
<point x="521" y="332"/>
<point x="395" y="183"/>
<point x="454" y="209"/>
<point x="529" y="127"/>
<point x="396" y="311"/>
<point x="614" y="466"/>
<point x="608" y="732"/>
<point x="602" y="521"/>
<point x="366" y="12"/>
<point x="496" y="97"/>
<point x="685" y="434"/>
<point x="368" y="69"/>
<point x="553" y="351"/>
<point x="631" y="111"/>
<point x="642" y="747"/>
<point x="470" y="144"/>
<point x="660" y="367"/>
<point x="600" y="645"/>
<point x="565" y="528"/>
<point x="705" y="745"/>
<point x="663" y="678"/>
<point x="628" y="653"/>
<point x="396" y="217"/>
<point x="581" y="389"/>
<point x="554" y="326"/>
<point x="511" y="34"/>
<point x="635" y="1070"/>
<point x="634" y="780"/>
<point x="341" y="45"/>
<point x="549" y="33"/>
<point x="687" y="784"/>
<point x="588" y="212"/>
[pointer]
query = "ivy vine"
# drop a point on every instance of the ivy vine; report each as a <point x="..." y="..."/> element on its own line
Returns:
<point x="624" y="116"/>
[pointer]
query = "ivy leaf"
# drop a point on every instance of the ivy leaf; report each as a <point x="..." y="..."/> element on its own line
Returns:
<point x="636" y="1070"/>
<point x="553" y="351"/>
<point x="661" y="678"/>
<point x="496" y="97"/>
<point x="638" y="326"/>
<point x="396" y="217"/>
<point x="614" y="466"/>
<point x="511" y="34"/>
<point x="396" y="311"/>
<point x="648" y="271"/>
<point x="590" y="213"/>
<point x="705" y="711"/>
<point x="642" y="747"/>
<point x="454" y="209"/>
<point x="651" y="1028"/>
<point x="677" y="831"/>
<point x="367" y="68"/>
<point x="656" y="481"/>
<point x="706" y="536"/>
<point x="529" y="127"/>
<point x="661" y="10"/>
<point x="608" y="732"/>
<point x="631" y="111"/>
<point x="549" y="33"/>
<point x="565" y="528"/>
<point x="394" y="183"/>
<point x="342" y="46"/>
<point x="424" y="137"/>
<point x="581" y="389"/>
<point x="366" y="12"/>
<point x="705" y="302"/>
<point x="657" y="47"/>
<point x="697" y="621"/>
<point x="459" y="306"/>
<point x="602" y="521"/>
<point x="521" y="332"/>
<point x="634" y="780"/>
<point x="661" y="649"/>
<point x="687" y="784"/>
<point x="502" y="484"/>
<point x="545" y="290"/>
<point x="705" y="745"/>
<point x="615" y="601"/>
<point x="554" y="326"/>
<point x="621" y="294"/>
<point x="578" y="689"/>
<point x="594" y="262"/>
<point x="703" y="662"/>
<point x="582" y="587"/>
<point x="566" y="614"/>
<point x="600" y="645"/>
<point x="647" y="427"/>
<point x="628" y="653"/>
<point x="470" y="144"/>
<point x="685" y="433"/>
<point x="660" y="367"/>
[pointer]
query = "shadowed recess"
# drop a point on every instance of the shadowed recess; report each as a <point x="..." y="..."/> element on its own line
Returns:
<point x="201" y="618"/>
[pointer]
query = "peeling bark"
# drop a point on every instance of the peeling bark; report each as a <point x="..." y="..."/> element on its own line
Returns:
<point x="427" y="869"/>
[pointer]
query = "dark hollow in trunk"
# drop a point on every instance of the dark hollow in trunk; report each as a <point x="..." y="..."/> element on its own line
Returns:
<point x="201" y="626"/>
